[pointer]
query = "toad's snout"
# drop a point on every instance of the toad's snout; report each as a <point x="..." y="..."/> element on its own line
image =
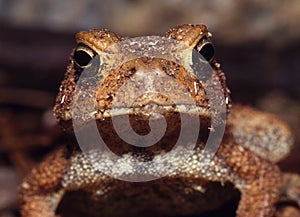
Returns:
<point x="142" y="84"/>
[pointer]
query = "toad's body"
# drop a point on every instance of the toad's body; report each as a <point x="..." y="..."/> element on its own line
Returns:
<point x="245" y="161"/>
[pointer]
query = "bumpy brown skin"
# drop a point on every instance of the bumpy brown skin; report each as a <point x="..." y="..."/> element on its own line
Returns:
<point x="41" y="189"/>
<point x="246" y="157"/>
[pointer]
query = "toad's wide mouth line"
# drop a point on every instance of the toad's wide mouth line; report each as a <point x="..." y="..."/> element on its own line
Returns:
<point x="152" y="110"/>
<point x="147" y="110"/>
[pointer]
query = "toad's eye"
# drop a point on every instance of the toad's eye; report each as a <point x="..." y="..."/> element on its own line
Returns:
<point x="83" y="56"/>
<point x="206" y="49"/>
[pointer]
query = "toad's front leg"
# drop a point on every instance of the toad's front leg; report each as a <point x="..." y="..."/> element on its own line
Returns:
<point x="43" y="205"/>
<point x="41" y="191"/>
<point x="259" y="181"/>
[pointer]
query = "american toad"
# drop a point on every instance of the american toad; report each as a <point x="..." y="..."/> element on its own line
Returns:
<point x="243" y="165"/>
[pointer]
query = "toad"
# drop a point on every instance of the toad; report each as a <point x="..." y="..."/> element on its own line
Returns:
<point x="144" y="85"/>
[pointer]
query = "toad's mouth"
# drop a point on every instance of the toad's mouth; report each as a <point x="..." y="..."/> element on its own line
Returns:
<point x="82" y="114"/>
<point x="152" y="109"/>
<point x="144" y="112"/>
<point x="136" y="120"/>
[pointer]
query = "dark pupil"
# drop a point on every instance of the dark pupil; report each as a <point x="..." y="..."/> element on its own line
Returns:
<point x="207" y="51"/>
<point x="82" y="58"/>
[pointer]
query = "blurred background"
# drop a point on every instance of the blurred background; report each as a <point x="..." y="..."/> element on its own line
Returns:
<point x="257" y="43"/>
